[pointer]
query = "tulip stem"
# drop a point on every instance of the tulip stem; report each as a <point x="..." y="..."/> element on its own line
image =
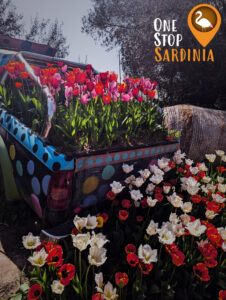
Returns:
<point x="172" y="274"/>
<point x="160" y="253"/>
<point x="80" y="266"/>
<point x="87" y="272"/>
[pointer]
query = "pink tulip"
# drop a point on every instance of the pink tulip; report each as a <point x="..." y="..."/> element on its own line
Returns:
<point x="68" y="92"/>
<point x="94" y="94"/>
<point x="126" y="97"/>
<point x="85" y="98"/>
<point x="64" y="68"/>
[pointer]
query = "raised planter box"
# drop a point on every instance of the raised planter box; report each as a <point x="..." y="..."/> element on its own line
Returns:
<point x="34" y="162"/>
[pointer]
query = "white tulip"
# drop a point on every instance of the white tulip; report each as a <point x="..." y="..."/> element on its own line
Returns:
<point x="150" y="188"/>
<point x="163" y="162"/>
<point x="97" y="256"/>
<point x="186" y="207"/>
<point x="223" y="158"/>
<point x="98" y="240"/>
<point x="130" y="179"/>
<point x="81" y="241"/>
<point x="206" y="179"/>
<point x="38" y="259"/>
<point x="166" y="236"/>
<point x="91" y="222"/>
<point x="210" y="157"/>
<point x="80" y="223"/>
<point x="220" y="179"/>
<point x="156" y="179"/>
<point x="139" y="182"/>
<point x="189" y="162"/>
<point x="154" y="169"/>
<point x="178" y="157"/>
<point x="210" y="214"/>
<point x="222" y="232"/>
<point x="145" y="173"/>
<point x="151" y="202"/>
<point x="30" y="241"/>
<point x="203" y="167"/>
<point x="147" y="254"/>
<point x="220" y="153"/>
<point x="152" y="228"/>
<point x="109" y="293"/>
<point x="127" y="169"/>
<point x="174" y="219"/>
<point x="136" y="195"/>
<point x="116" y="187"/>
<point x="222" y="188"/>
<point x="57" y="287"/>
<point x="99" y="282"/>
<point x="196" y="228"/>
<point x="194" y="170"/>
<point x="218" y="198"/>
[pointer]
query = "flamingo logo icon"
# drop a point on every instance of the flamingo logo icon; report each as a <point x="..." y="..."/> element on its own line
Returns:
<point x="204" y="21"/>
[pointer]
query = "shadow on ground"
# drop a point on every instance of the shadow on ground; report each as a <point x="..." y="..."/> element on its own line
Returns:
<point x="16" y="220"/>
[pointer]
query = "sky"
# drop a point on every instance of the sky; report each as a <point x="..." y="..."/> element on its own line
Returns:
<point x="70" y="12"/>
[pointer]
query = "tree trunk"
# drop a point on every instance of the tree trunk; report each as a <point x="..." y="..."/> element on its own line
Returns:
<point x="203" y="130"/>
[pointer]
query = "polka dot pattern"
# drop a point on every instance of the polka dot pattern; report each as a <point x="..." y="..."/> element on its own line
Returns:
<point x="45" y="184"/>
<point x="108" y="172"/>
<point x="12" y="152"/>
<point x="90" y="185"/>
<point x="19" y="167"/>
<point x="89" y="201"/>
<point x="46" y="153"/>
<point x="35" y="186"/>
<point x="36" y="205"/>
<point x="30" y="167"/>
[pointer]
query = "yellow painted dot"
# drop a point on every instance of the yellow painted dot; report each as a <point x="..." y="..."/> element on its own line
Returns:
<point x="90" y="185"/>
<point x="12" y="152"/>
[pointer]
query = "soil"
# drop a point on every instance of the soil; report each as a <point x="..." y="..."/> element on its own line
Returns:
<point x="14" y="266"/>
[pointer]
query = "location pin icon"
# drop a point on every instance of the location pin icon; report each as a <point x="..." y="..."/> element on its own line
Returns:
<point x="204" y="21"/>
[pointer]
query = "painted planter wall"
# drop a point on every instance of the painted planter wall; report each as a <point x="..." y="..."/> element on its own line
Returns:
<point x="94" y="173"/>
<point x="34" y="161"/>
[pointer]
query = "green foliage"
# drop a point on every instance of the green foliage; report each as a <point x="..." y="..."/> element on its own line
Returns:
<point x="98" y="125"/>
<point x="129" y="26"/>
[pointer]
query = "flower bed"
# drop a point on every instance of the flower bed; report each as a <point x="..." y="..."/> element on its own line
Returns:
<point x="160" y="235"/>
<point x="87" y="111"/>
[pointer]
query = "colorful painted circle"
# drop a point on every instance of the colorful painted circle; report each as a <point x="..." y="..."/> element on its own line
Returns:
<point x="117" y="157"/>
<point x="152" y="150"/>
<point x="36" y="205"/>
<point x="99" y="160"/>
<point x="80" y="164"/>
<point x="146" y="152"/>
<point x="45" y="183"/>
<point x="30" y="167"/>
<point x="139" y="153"/>
<point x="102" y="191"/>
<point x="35" y="186"/>
<point x="90" y="184"/>
<point x="125" y="155"/>
<point x="88" y="201"/>
<point x="132" y="154"/>
<point x="19" y="167"/>
<point x="108" y="172"/>
<point x="108" y="159"/>
<point x="12" y="152"/>
<point x="89" y="162"/>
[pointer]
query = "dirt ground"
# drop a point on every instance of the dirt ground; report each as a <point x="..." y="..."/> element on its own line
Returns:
<point x="16" y="220"/>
